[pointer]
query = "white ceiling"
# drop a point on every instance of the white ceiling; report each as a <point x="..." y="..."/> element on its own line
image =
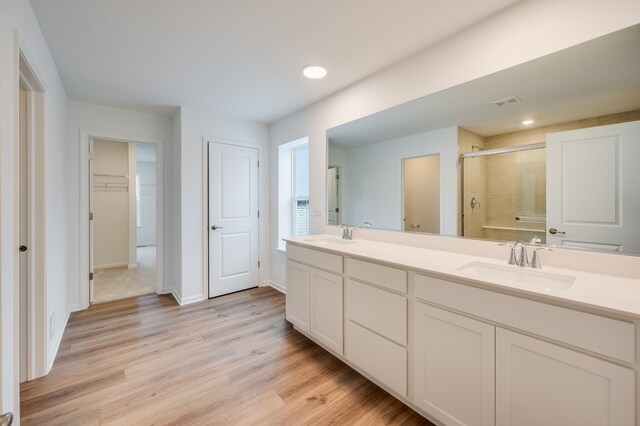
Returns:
<point x="241" y="58"/>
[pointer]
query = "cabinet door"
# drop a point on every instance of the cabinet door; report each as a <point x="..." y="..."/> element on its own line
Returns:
<point x="454" y="367"/>
<point x="326" y="308"/>
<point x="538" y="383"/>
<point x="297" y="297"/>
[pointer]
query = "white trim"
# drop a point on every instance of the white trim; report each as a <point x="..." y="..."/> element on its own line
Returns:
<point x="205" y="206"/>
<point x="191" y="299"/>
<point x="175" y="295"/>
<point x="74" y="308"/>
<point x="38" y="342"/>
<point x="57" y="339"/>
<point x="133" y="229"/>
<point x="275" y="286"/>
<point x="83" y="269"/>
<point x="134" y="266"/>
<point x="111" y="265"/>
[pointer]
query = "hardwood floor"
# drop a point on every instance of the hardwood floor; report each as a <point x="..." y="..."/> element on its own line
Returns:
<point x="230" y="360"/>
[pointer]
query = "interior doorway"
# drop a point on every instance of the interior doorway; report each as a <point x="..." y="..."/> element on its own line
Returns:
<point x="30" y="211"/>
<point x="334" y="195"/>
<point x="233" y="215"/>
<point x="421" y="194"/>
<point x="123" y="219"/>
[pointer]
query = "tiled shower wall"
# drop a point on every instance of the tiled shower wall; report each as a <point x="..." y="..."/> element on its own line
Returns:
<point x="495" y="181"/>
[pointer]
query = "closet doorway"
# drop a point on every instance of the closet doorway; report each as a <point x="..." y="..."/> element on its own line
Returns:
<point x="123" y="219"/>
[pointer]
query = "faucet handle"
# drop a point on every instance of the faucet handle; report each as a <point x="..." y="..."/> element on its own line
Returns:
<point x="513" y="258"/>
<point x="524" y="258"/>
<point x="535" y="260"/>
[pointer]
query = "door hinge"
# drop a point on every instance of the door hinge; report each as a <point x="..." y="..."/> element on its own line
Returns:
<point x="90" y="215"/>
<point x="337" y="176"/>
<point x="337" y="209"/>
<point x="258" y="163"/>
<point x="258" y="263"/>
<point x="258" y="213"/>
<point x="90" y="276"/>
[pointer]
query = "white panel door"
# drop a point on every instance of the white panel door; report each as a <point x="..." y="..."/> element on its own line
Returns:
<point x="233" y="218"/>
<point x="92" y="237"/>
<point x="593" y="188"/>
<point x="454" y="367"/>
<point x="538" y="383"/>
<point x="333" y="196"/>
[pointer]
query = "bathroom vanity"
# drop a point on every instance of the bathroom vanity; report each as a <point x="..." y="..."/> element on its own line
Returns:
<point x="467" y="340"/>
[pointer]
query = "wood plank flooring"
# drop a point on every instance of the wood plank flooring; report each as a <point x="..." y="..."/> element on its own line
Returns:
<point x="230" y="360"/>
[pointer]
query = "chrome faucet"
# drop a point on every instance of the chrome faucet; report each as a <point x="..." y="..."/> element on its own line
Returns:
<point x="523" y="259"/>
<point x="515" y="258"/>
<point x="347" y="232"/>
<point x="518" y="255"/>
<point x="535" y="260"/>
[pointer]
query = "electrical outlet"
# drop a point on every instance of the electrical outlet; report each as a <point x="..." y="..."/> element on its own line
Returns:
<point x="52" y="323"/>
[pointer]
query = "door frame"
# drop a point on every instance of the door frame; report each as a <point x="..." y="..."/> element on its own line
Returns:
<point x="205" y="206"/>
<point x="28" y="75"/>
<point x="440" y="155"/>
<point x="85" y="137"/>
<point x="339" y="188"/>
<point x="23" y="68"/>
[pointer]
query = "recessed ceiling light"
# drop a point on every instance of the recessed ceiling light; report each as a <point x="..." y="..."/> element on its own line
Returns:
<point x="527" y="122"/>
<point x="314" y="72"/>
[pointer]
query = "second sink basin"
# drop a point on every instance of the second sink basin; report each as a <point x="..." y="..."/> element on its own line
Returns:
<point x="518" y="275"/>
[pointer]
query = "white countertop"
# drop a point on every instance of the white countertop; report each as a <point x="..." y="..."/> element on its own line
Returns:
<point x="603" y="292"/>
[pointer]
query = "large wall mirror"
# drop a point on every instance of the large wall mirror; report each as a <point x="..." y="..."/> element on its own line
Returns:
<point x="466" y="161"/>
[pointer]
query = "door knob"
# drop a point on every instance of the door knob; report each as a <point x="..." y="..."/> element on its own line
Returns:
<point x="554" y="231"/>
<point x="214" y="227"/>
<point x="23" y="248"/>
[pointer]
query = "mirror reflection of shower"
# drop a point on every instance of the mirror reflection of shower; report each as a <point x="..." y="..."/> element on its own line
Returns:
<point x="511" y="182"/>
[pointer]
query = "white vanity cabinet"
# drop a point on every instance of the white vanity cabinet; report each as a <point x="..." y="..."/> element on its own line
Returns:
<point x="536" y="382"/>
<point x="376" y="322"/>
<point x="454" y="366"/>
<point x="297" y="300"/>
<point x="314" y="298"/>
<point x="461" y="352"/>
<point x="539" y="383"/>
<point x="326" y="308"/>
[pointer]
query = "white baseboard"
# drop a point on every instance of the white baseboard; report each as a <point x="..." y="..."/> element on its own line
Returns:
<point x="172" y="292"/>
<point x="74" y="308"/>
<point x="57" y="339"/>
<point x="133" y="266"/>
<point x="275" y="285"/>
<point x="111" y="265"/>
<point x="180" y="300"/>
<point x="192" y="299"/>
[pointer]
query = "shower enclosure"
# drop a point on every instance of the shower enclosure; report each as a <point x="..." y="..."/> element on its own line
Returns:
<point x="503" y="193"/>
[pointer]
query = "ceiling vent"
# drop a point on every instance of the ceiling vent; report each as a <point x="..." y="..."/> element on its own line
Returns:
<point x="505" y="101"/>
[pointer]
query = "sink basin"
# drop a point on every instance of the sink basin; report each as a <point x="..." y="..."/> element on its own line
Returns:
<point x="329" y="241"/>
<point x="518" y="275"/>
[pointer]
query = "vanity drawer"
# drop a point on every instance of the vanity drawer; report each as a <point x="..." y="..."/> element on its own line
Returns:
<point x="594" y="333"/>
<point x="319" y="259"/>
<point x="381" y="358"/>
<point x="378" y="310"/>
<point x="384" y="276"/>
